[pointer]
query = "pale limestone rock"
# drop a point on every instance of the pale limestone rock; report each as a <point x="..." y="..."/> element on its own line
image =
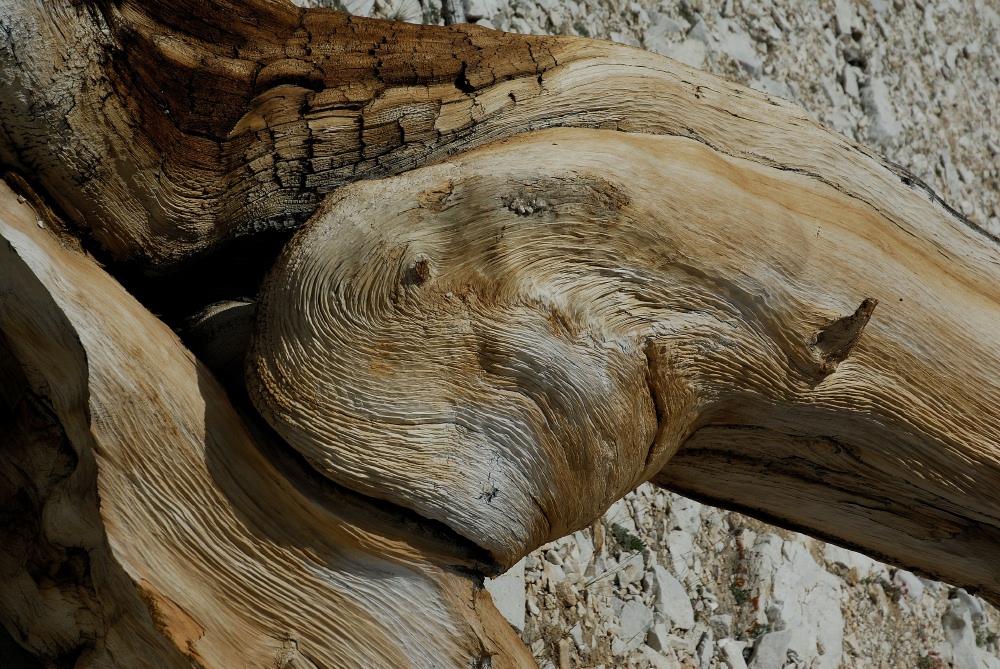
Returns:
<point x="635" y="620"/>
<point x="771" y="650"/>
<point x="671" y="599"/>
<point x="508" y="594"/>
<point x="732" y="653"/>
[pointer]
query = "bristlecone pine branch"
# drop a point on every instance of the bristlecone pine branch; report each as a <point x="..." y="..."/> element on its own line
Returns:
<point x="527" y="274"/>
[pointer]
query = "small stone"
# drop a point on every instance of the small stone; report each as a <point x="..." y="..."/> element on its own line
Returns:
<point x="777" y="89"/>
<point x="635" y="620"/>
<point x="586" y="547"/>
<point x="771" y="650"/>
<point x="705" y="650"/>
<point x="850" y="79"/>
<point x="930" y="26"/>
<point x="671" y="600"/>
<point x="564" y="654"/>
<point x="681" y="547"/>
<point x="732" y="653"/>
<point x="658" y="637"/>
<point x="951" y="56"/>
<point x="844" y="15"/>
<point x="553" y="573"/>
<point x="883" y="126"/>
<point x="722" y="625"/>
<point x="911" y="585"/>
<point x="508" y="595"/>
<point x="657" y="661"/>
<point x="690" y="52"/>
<point x="779" y="19"/>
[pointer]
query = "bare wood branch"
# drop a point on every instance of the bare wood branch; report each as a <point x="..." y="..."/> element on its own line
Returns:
<point x="208" y="547"/>
<point x="549" y="269"/>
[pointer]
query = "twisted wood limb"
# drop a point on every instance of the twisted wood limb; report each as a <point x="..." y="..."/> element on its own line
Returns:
<point x="487" y="332"/>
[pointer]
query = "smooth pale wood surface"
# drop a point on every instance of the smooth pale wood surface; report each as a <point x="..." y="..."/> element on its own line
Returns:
<point x="208" y="545"/>
<point x="513" y="339"/>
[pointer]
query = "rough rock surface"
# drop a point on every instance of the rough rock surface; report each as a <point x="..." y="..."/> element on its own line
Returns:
<point x="747" y="595"/>
<point x="660" y="580"/>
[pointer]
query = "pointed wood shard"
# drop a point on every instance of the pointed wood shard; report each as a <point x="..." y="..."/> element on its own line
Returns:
<point x="836" y="341"/>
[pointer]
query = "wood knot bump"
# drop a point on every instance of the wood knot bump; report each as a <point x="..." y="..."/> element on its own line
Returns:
<point x="836" y="341"/>
<point x="421" y="270"/>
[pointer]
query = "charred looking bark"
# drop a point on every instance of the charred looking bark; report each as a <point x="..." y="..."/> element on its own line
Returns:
<point x="187" y="125"/>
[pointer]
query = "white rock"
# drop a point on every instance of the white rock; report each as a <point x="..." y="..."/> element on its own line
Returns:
<point x="732" y="653"/>
<point x="690" y="52"/>
<point x="864" y="565"/>
<point x="802" y="597"/>
<point x="520" y="25"/>
<point x="699" y="31"/>
<point x="722" y="625"/>
<point x="658" y="638"/>
<point x="737" y="44"/>
<point x="882" y="123"/>
<point x="844" y="13"/>
<point x="771" y="650"/>
<point x="705" y="650"/>
<point x="403" y="10"/>
<point x="630" y="570"/>
<point x="685" y="514"/>
<point x="619" y="514"/>
<point x="657" y="660"/>
<point x="958" y="631"/>
<point x="585" y="545"/>
<point x="356" y="7"/>
<point x="773" y="87"/>
<point x="681" y="547"/>
<point x="974" y="604"/>
<point x="507" y="591"/>
<point x="930" y="26"/>
<point x="576" y="633"/>
<point x="480" y="9"/>
<point x="671" y="600"/>
<point x="553" y="573"/>
<point x="634" y="621"/>
<point x="663" y="33"/>
<point x="850" y="79"/>
<point x="910" y="583"/>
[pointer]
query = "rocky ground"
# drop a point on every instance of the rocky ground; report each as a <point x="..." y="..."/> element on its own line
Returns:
<point x="662" y="581"/>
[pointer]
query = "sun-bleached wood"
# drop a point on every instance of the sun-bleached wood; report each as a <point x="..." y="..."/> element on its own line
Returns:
<point x="209" y="547"/>
<point x="692" y="283"/>
<point x="483" y="339"/>
<point x="167" y="129"/>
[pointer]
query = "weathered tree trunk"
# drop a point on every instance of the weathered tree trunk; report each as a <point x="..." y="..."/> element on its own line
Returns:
<point x="547" y="270"/>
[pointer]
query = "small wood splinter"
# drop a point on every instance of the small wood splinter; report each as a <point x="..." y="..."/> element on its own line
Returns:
<point x="836" y="341"/>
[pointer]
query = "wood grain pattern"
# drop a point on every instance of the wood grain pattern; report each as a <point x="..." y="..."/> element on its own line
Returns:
<point x="173" y="128"/>
<point x="483" y="339"/>
<point x="536" y="271"/>
<point x="209" y="547"/>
